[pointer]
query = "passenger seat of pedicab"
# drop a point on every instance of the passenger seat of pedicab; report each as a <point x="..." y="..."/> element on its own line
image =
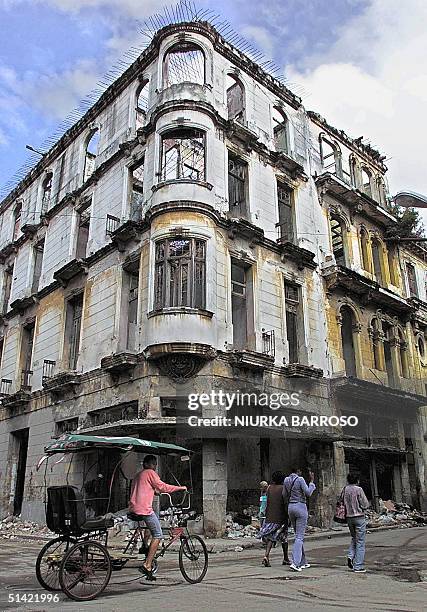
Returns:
<point x="66" y="512"/>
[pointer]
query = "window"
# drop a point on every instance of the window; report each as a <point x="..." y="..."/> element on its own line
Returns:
<point x="366" y="181"/>
<point x="127" y="411"/>
<point x="402" y="354"/>
<point x="354" y="172"/>
<point x="377" y="260"/>
<point x="421" y="345"/>
<point x="183" y="155"/>
<point x="17" y="221"/>
<point x="37" y="265"/>
<point x="348" y="321"/>
<point x="7" y="286"/>
<point x="141" y="104"/>
<point x="412" y="280"/>
<point x="375" y="344"/>
<point x="393" y="265"/>
<point x="73" y="327"/>
<point x="66" y="426"/>
<point x="168" y="406"/>
<point x="388" y="337"/>
<point x="241" y="303"/>
<point x="364" y="249"/>
<point x="280" y="130"/>
<point x="137" y="190"/>
<point x="339" y="245"/>
<point x="91" y="153"/>
<point x="26" y="355"/>
<point x="292" y="310"/>
<point x="47" y="191"/>
<point x="132" y="327"/>
<point x="237" y="186"/>
<point x="180" y="273"/>
<point x="184" y="63"/>
<point x="83" y="225"/>
<point x="235" y="99"/>
<point x="331" y="156"/>
<point x="286" y="223"/>
<point x="1" y="350"/>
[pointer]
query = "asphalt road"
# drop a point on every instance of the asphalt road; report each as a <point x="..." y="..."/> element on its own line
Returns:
<point x="395" y="581"/>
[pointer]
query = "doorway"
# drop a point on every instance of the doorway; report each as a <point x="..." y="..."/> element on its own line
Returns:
<point x="19" y="466"/>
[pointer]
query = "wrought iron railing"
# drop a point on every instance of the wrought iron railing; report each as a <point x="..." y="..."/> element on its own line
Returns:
<point x="112" y="224"/>
<point x="5" y="386"/>
<point x="268" y="343"/>
<point x="48" y="369"/>
<point x="26" y="380"/>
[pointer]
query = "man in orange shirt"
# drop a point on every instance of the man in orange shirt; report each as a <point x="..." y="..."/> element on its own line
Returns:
<point x="144" y="485"/>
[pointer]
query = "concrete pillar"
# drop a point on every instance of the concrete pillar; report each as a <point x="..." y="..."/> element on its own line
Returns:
<point x="214" y="486"/>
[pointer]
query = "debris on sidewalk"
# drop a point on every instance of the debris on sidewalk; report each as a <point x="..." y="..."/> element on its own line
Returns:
<point x="12" y="527"/>
<point x="394" y="513"/>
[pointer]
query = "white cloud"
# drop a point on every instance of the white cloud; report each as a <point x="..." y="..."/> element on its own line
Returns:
<point x="373" y="82"/>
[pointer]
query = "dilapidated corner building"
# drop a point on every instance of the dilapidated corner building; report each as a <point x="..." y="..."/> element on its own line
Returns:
<point x="197" y="229"/>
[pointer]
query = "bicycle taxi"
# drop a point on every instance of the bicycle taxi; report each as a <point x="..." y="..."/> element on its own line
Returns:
<point x="79" y="560"/>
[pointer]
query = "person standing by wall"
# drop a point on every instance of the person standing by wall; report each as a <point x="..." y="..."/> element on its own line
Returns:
<point x="295" y="492"/>
<point x="356" y="503"/>
<point x="263" y="485"/>
<point x="275" y="526"/>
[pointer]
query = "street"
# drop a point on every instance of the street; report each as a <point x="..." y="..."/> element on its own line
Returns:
<point x="395" y="581"/>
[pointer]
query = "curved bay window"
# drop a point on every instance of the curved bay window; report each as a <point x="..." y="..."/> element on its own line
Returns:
<point x="184" y="63"/>
<point x="183" y="155"/>
<point x="180" y="273"/>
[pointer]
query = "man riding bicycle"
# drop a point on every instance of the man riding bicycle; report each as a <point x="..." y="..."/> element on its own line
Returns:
<point x="144" y="485"/>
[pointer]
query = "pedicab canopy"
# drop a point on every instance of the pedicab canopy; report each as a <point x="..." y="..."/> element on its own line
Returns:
<point x="70" y="443"/>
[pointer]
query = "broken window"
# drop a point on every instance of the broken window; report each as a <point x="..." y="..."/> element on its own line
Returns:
<point x="26" y="355"/>
<point x="132" y="326"/>
<point x="366" y="181"/>
<point x="17" y="213"/>
<point x="286" y="222"/>
<point x="338" y="233"/>
<point x="348" y="324"/>
<point x="388" y="337"/>
<point x="280" y="130"/>
<point x="412" y="280"/>
<point x="292" y="310"/>
<point x="1" y="350"/>
<point x="66" y="426"/>
<point x="241" y="288"/>
<point x="47" y="191"/>
<point x="141" y="104"/>
<point x="73" y="327"/>
<point x="377" y="260"/>
<point x="237" y="186"/>
<point x="136" y="191"/>
<point x="184" y="63"/>
<point x="183" y="155"/>
<point x="7" y="287"/>
<point x="180" y="277"/>
<point x="393" y="265"/>
<point x="402" y="356"/>
<point x="83" y="225"/>
<point x="331" y="156"/>
<point x="375" y="344"/>
<point x="364" y="249"/>
<point x="37" y="265"/>
<point x="235" y="99"/>
<point x="91" y="153"/>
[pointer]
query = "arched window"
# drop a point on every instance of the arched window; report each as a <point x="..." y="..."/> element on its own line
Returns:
<point x="184" y="63"/>
<point x="377" y="260"/>
<point x="364" y="249"/>
<point x="183" y="154"/>
<point x="381" y="191"/>
<point x="388" y="337"/>
<point x="141" y="105"/>
<point x="280" y="130"/>
<point x="92" y="145"/>
<point x="402" y="354"/>
<point x="375" y="344"/>
<point x="354" y="172"/>
<point x="348" y="324"/>
<point x="339" y="240"/>
<point x="17" y="220"/>
<point x="46" y="191"/>
<point x="235" y="98"/>
<point x="366" y="181"/>
<point x="393" y="264"/>
<point x="331" y="156"/>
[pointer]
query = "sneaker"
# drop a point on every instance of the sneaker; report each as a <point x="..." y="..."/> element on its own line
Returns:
<point x="360" y="571"/>
<point x="349" y="563"/>
<point x="305" y="566"/>
<point x="294" y="568"/>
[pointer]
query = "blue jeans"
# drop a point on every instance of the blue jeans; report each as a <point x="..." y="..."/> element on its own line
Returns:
<point x="298" y="515"/>
<point x="356" y="552"/>
<point x="153" y="524"/>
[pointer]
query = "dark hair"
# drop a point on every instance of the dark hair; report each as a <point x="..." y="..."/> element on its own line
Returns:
<point x="149" y="460"/>
<point x="278" y="477"/>
<point x="295" y="469"/>
<point x="352" y="478"/>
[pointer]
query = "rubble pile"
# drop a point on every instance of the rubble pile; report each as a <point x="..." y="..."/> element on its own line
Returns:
<point x="235" y="529"/>
<point x="13" y="527"/>
<point x="393" y="513"/>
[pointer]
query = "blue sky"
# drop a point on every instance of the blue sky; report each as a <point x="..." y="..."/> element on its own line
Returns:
<point x="342" y="53"/>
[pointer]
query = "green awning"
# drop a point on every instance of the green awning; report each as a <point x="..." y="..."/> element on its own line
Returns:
<point x="69" y="443"/>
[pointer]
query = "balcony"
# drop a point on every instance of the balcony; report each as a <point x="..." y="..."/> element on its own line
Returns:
<point x="30" y="223"/>
<point x="251" y="360"/>
<point x="268" y="343"/>
<point x="62" y="382"/>
<point x="5" y="387"/>
<point x="302" y="257"/>
<point x="299" y="370"/>
<point x="180" y="361"/>
<point x="111" y="225"/>
<point x="120" y="363"/>
<point x="48" y="370"/>
<point x="127" y="232"/>
<point x="22" y="397"/>
<point x="70" y="270"/>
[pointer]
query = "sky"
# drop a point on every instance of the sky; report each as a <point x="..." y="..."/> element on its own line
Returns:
<point x="362" y="64"/>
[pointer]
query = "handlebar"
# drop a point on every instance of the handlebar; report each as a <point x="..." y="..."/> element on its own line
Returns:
<point x="180" y="505"/>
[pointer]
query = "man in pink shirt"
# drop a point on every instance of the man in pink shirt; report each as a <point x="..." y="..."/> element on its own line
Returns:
<point x="144" y="485"/>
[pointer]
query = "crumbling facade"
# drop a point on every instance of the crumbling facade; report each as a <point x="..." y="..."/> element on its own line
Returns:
<point x="197" y="229"/>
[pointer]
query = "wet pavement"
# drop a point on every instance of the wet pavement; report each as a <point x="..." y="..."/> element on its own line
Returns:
<point x="396" y="580"/>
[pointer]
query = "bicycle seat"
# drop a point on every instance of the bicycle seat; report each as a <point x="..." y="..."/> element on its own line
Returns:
<point x="98" y="522"/>
<point x="135" y="517"/>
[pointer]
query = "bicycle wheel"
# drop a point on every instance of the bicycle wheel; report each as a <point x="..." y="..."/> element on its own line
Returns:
<point x="85" y="571"/>
<point x="49" y="561"/>
<point x="193" y="558"/>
